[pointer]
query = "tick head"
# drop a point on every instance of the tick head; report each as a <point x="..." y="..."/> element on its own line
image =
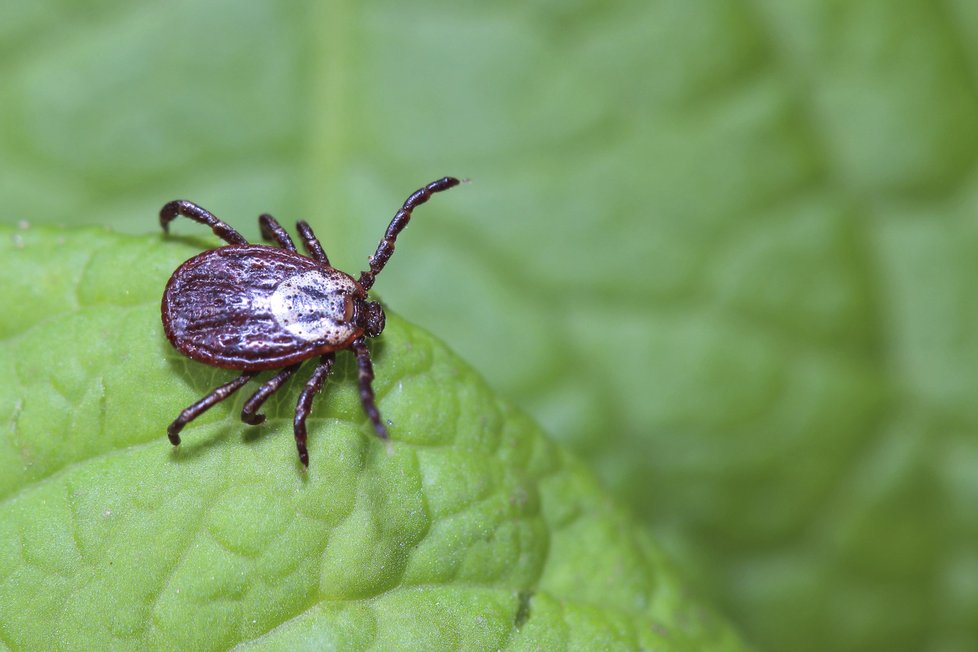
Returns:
<point x="372" y="318"/>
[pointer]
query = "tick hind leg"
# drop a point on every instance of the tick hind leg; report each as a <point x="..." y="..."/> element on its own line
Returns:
<point x="192" y="412"/>
<point x="249" y="413"/>
<point x="192" y="211"/>
<point x="366" y="378"/>
<point x="272" y="231"/>
<point x="302" y="408"/>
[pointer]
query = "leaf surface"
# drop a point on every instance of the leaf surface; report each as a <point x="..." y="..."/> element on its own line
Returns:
<point x="471" y="530"/>
<point x="724" y="251"/>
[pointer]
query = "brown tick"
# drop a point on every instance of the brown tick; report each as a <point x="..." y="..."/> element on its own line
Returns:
<point x="255" y="307"/>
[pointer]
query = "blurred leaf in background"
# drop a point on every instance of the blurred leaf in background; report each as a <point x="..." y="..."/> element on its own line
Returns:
<point x="725" y="250"/>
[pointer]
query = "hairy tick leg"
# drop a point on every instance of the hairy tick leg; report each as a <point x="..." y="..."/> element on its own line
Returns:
<point x="192" y="412"/>
<point x="304" y="405"/>
<point x="249" y="413"/>
<point x="365" y="378"/>
<point x="192" y="211"/>
<point x="311" y="242"/>
<point x="401" y="219"/>
<point x="272" y="231"/>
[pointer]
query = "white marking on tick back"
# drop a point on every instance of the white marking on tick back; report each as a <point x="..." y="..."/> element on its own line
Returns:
<point x="312" y="306"/>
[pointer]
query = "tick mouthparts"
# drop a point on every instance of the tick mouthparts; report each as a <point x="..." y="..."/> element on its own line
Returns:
<point x="374" y="318"/>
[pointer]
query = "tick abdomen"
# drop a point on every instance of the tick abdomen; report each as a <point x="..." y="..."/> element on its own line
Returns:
<point x="256" y="307"/>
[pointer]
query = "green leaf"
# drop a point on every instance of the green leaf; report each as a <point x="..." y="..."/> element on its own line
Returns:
<point x="469" y="531"/>
<point x="723" y="250"/>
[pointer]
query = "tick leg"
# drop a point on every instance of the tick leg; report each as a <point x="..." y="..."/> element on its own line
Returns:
<point x="401" y="219"/>
<point x="204" y="404"/>
<point x="302" y="408"/>
<point x="190" y="210"/>
<point x="366" y="378"/>
<point x="272" y="231"/>
<point x="311" y="242"/>
<point x="272" y="385"/>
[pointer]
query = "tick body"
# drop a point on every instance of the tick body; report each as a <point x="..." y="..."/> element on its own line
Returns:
<point x="255" y="308"/>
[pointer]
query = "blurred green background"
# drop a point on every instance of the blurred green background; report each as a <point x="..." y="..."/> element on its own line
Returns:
<point x="725" y="251"/>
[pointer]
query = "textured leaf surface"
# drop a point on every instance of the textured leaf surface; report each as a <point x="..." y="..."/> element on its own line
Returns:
<point x="724" y="250"/>
<point x="471" y="531"/>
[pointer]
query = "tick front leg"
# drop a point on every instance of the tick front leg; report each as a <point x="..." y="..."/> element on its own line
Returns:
<point x="272" y="231"/>
<point x="401" y="219"/>
<point x="366" y="378"/>
<point x="252" y="405"/>
<point x="204" y="404"/>
<point x="302" y="408"/>
<point x="311" y="242"/>
<point x="192" y="211"/>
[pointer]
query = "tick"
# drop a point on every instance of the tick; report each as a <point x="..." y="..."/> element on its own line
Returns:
<point x="253" y="308"/>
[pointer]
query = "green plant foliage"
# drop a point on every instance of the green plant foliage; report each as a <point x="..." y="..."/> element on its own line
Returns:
<point x="470" y="531"/>
<point x="722" y="250"/>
